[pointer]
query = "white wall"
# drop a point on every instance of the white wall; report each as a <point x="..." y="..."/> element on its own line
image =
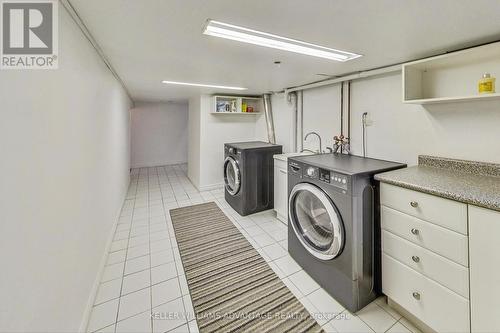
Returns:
<point x="321" y="115"/>
<point x="283" y="122"/>
<point x="64" y="142"/>
<point x="401" y="132"/>
<point x="159" y="134"/>
<point x="205" y="162"/>
<point x="216" y="130"/>
<point x="194" y="143"/>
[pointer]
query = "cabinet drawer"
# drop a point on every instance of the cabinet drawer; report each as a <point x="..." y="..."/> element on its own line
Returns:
<point x="436" y="306"/>
<point x="436" y="267"/>
<point x="446" y="213"/>
<point x="447" y="243"/>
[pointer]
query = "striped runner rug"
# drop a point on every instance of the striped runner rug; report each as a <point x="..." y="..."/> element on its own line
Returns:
<point x="232" y="287"/>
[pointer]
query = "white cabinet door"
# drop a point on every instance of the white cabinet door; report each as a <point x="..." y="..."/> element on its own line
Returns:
<point x="484" y="252"/>
<point x="281" y="194"/>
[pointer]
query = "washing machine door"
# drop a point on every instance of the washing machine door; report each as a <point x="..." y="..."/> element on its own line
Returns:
<point x="316" y="221"/>
<point x="232" y="175"/>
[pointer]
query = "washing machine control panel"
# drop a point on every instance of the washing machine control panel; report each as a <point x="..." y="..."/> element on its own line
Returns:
<point x="295" y="169"/>
<point x="324" y="175"/>
<point x="311" y="172"/>
<point x="231" y="151"/>
<point x="334" y="178"/>
<point x="339" y="180"/>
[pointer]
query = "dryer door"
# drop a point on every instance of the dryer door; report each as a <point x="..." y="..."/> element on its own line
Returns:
<point x="232" y="176"/>
<point x="316" y="221"/>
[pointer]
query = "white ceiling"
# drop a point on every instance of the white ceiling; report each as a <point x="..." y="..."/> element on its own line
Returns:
<point x="148" y="41"/>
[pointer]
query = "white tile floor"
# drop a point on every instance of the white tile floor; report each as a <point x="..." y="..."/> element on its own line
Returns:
<point x="143" y="286"/>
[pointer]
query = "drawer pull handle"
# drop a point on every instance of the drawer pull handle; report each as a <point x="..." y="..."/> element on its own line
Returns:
<point x="416" y="296"/>
<point x="415" y="258"/>
<point x="414" y="204"/>
<point x="415" y="231"/>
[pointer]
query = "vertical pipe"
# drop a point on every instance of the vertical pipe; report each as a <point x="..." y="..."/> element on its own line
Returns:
<point x="341" y="111"/>
<point x="348" y="111"/>
<point x="300" y="121"/>
<point x="294" y="101"/>
<point x="342" y="108"/>
<point x="345" y="109"/>
<point x="269" y="118"/>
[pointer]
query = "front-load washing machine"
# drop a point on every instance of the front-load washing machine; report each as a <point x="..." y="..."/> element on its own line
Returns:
<point x="333" y="223"/>
<point x="249" y="175"/>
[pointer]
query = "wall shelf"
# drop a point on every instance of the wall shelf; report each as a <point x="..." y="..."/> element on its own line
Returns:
<point x="456" y="99"/>
<point x="237" y="113"/>
<point x="236" y="104"/>
<point x="452" y="77"/>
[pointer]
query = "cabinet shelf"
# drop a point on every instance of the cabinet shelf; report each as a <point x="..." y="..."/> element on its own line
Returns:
<point x="237" y="113"/>
<point x="455" y="99"/>
<point x="452" y="77"/>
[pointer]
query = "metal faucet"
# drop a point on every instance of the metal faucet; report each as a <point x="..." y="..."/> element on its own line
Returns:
<point x="341" y="143"/>
<point x="319" y="137"/>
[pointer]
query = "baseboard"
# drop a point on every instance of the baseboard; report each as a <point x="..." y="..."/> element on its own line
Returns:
<point x="156" y="164"/>
<point x="95" y="287"/>
<point x="410" y="317"/>
<point x="211" y="187"/>
<point x="281" y="218"/>
<point x="192" y="181"/>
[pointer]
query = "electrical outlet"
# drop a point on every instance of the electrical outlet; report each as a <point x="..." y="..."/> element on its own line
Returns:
<point x="367" y="121"/>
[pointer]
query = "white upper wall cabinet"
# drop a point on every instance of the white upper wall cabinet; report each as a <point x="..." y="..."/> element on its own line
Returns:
<point x="451" y="77"/>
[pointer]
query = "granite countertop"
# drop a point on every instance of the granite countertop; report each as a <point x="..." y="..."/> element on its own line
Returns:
<point x="474" y="183"/>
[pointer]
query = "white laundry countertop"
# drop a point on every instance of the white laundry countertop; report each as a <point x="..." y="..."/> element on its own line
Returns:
<point x="285" y="156"/>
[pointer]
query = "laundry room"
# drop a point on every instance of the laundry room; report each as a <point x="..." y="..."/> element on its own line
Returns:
<point x="249" y="166"/>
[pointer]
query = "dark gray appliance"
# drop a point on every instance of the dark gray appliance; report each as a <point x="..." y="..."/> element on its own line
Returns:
<point x="334" y="223"/>
<point x="249" y="175"/>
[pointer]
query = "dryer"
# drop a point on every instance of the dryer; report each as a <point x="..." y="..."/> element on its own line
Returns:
<point x="249" y="175"/>
<point x="334" y="225"/>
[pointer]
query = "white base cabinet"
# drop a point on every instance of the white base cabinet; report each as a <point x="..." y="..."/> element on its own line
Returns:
<point x="425" y="267"/>
<point x="281" y="184"/>
<point x="484" y="247"/>
<point x="440" y="260"/>
<point x="281" y="190"/>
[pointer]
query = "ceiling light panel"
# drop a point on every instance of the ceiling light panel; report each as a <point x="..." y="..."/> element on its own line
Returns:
<point x="245" y="35"/>
<point x="203" y="85"/>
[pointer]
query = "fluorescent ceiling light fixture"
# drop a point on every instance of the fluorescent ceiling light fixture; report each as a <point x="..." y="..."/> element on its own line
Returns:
<point x="245" y="35"/>
<point x="203" y="85"/>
